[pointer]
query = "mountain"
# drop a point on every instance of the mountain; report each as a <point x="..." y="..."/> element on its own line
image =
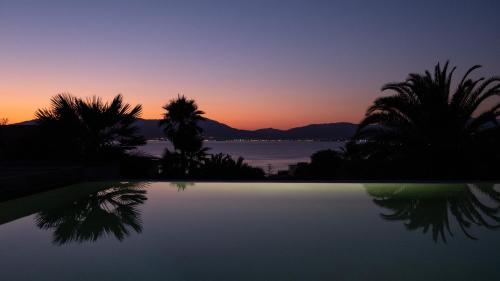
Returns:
<point x="216" y="130"/>
<point x="24" y="123"/>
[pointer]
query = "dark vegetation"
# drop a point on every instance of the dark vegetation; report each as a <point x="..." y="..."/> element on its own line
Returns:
<point x="89" y="129"/>
<point x="189" y="158"/>
<point x="431" y="127"/>
<point x="180" y="125"/>
<point x="73" y="129"/>
<point x="425" y="130"/>
<point x="100" y="136"/>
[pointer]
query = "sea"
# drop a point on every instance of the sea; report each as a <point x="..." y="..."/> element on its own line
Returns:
<point x="272" y="156"/>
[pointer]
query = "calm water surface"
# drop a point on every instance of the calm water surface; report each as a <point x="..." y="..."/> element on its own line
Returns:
<point x="279" y="154"/>
<point x="253" y="231"/>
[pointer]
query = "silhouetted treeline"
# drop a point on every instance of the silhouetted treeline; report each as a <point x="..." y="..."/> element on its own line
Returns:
<point x="74" y="129"/>
<point x="90" y="129"/>
<point x="90" y="132"/>
<point x="189" y="158"/>
<point x="423" y="131"/>
<point x="210" y="167"/>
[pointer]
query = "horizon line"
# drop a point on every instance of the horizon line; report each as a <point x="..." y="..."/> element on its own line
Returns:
<point x="226" y="124"/>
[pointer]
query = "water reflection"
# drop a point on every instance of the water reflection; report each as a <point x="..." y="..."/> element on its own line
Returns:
<point x="438" y="208"/>
<point x="181" y="186"/>
<point x="112" y="211"/>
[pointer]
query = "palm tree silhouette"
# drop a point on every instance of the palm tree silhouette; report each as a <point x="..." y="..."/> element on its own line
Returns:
<point x="432" y="208"/>
<point x="425" y="119"/>
<point x="90" y="126"/>
<point x="112" y="211"/>
<point x="180" y="125"/>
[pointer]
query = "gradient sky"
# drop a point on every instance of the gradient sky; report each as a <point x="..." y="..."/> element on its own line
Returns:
<point x="249" y="64"/>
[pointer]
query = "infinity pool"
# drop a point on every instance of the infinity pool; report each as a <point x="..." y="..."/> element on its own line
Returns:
<point x="253" y="231"/>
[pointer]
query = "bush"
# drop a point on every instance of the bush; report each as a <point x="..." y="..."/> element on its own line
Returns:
<point x="217" y="166"/>
<point x="223" y="166"/>
<point x="325" y="164"/>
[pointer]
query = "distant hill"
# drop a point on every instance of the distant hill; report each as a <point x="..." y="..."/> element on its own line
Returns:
<point x="216" y="130"/>
<point x="24" y="123"/>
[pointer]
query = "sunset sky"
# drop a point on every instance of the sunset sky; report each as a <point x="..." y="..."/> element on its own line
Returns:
<point x="250" y="64"/>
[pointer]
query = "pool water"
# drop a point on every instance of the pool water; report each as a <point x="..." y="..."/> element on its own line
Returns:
<point x="253" y="231"/>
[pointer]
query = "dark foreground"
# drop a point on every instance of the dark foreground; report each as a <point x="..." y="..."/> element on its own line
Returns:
<point x="253" y="231"/>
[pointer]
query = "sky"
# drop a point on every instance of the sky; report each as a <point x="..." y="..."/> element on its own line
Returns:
<point x="249" y="64"/>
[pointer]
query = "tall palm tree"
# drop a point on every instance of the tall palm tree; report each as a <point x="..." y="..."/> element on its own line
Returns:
<point x="426" y="117"/>
<point x="91" y="127"/>
<point x="181" y="126"/>
<point x="108" y="124"/>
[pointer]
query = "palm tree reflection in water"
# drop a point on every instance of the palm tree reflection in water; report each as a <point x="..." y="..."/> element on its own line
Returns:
<point x="181" y="186"/>
<point x="111" y="211"/>
<point x="433" y="207"/>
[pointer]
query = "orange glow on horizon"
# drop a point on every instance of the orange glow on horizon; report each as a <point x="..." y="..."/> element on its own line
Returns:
<point x="245" y="115"/>
<point x="243" y="95"/>
<point x="297" y="64"/>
